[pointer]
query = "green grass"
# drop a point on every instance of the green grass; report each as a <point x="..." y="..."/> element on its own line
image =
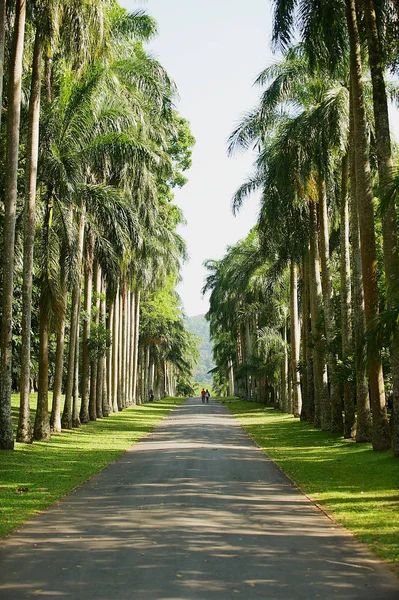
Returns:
<point x="358" y="487"/>
<point x="35" y="475"/>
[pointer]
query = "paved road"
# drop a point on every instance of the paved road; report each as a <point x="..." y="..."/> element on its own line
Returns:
<point x="193" y="512"/>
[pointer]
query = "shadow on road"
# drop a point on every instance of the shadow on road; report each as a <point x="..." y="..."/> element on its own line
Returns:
<point x="194" y="511"/>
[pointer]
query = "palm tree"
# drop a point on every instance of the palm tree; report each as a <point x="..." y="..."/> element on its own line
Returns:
<point x="295" y="342"/>
<point x="389" y="220"/>
<point x="24" y="433"/>
<point x="381" y="434"/>
<point x="346" y="299"/>
<point x="88" y="288"/>
<point x="10" y="200"/>
<point x="304" y="145"/>
<point x="326" y="41"/>
<point x="49" y="20"/>
<point x="66" y="420"/>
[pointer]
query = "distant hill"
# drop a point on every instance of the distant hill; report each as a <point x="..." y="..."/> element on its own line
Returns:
<point x="200" y="327"/>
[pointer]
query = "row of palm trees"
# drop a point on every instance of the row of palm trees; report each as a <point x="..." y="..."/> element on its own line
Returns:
<point x="92" y="149"/>
<point x="314" y="289"/>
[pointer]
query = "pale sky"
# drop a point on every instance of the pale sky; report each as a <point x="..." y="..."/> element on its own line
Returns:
<point x="213" y="49"/>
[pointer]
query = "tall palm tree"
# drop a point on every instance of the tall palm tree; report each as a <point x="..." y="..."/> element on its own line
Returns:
<point x="49" y="21"/>
<point x="305" y="145"/>
<point x="10" y="200"/>
<point x="346" y="298"/>
<point x="24" y="433"/>
<point x="389" y="220"/>
<point x="328" y="31"/>
<point x="381" y="434"/>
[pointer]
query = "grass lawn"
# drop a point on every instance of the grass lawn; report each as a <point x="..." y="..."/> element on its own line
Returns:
<point x="35" y="475"/>
<point x="358" y="487"/>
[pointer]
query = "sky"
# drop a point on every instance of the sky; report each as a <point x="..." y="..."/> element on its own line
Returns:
<point x="213" y="49"/>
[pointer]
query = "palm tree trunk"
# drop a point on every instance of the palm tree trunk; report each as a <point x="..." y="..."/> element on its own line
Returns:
<point x="24" y="431"/>
<point x="284" y="369"/>
<point x="75" y="389"/>
<point x="331" y="416"/>
<point x="10" y="202"/>
<point x="110" y="320"/>
<point x="148" y="373"/>
<point x="93" y="358"/>
<point x="120" y="353"/>
<point x="171" y="380"/>
<point x="166" y="378"/>
<point x="127" y="350"/>
<point x="99" y="390"/>
<point x="123" y="344"/>
<point x="381" y="438"/>
<point x="55" y="419"/>
<point x="231" y="377"/>
<point x="142" y="374"/>
<point x="363" y="421"/>
<point x="289" y="395"/>
<point x="136" y="344"/>
<point x="99" y="354"/>
<point x="88" y="293"/>
<point x="131" y="347"/>
<point x="105" y="397"/>
<point x="152" y="376"/>
<point x="305" y="413"/>
<point x="316" y="306"/>
<point x="125" y="347"/>
<point x="3" y="20"/>
<point x="47" y="78"/>
<point x="389" y="221"/>
<point x="66" y="420"/>
<point x="295" y="341"/>
<point x="41" y="429"/>
<point x="41" y="419"/>
<point x="127" y="333"/>
<point x="309" y="354"/>
<point x="115" y="352"/>
<point x="346" y="300"/>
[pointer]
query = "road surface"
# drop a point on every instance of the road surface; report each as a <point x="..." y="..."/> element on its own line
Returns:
<point x="195" y="511"/>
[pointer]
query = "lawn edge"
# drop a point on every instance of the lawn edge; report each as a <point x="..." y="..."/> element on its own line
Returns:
<point x="32" y="515"/>
<point x="392" y="566"/>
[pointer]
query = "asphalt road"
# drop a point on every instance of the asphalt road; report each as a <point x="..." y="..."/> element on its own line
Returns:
<point x="194" y="511"/>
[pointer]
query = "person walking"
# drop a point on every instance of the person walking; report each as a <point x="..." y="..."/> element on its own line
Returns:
<point x="207" y="395"/>
<point x="203" y="395"/>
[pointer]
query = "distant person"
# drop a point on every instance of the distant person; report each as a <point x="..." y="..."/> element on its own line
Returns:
<point x="207" y="395"/>
<point x="151" y="394"/>
<point x="203" y="392"/>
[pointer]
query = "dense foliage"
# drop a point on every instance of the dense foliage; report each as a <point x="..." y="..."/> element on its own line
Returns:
<point x="91" y="150"/>
<point x="304" y="312"/>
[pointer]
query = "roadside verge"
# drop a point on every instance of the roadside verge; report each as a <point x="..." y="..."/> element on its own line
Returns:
<point x="359" y="488"/>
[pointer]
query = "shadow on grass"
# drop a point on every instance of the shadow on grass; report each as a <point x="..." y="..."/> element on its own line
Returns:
<point x="354" y="483"/>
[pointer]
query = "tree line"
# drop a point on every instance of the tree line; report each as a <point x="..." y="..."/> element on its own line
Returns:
<point x="91" y="148"/>
<point x="304" y="312"/>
